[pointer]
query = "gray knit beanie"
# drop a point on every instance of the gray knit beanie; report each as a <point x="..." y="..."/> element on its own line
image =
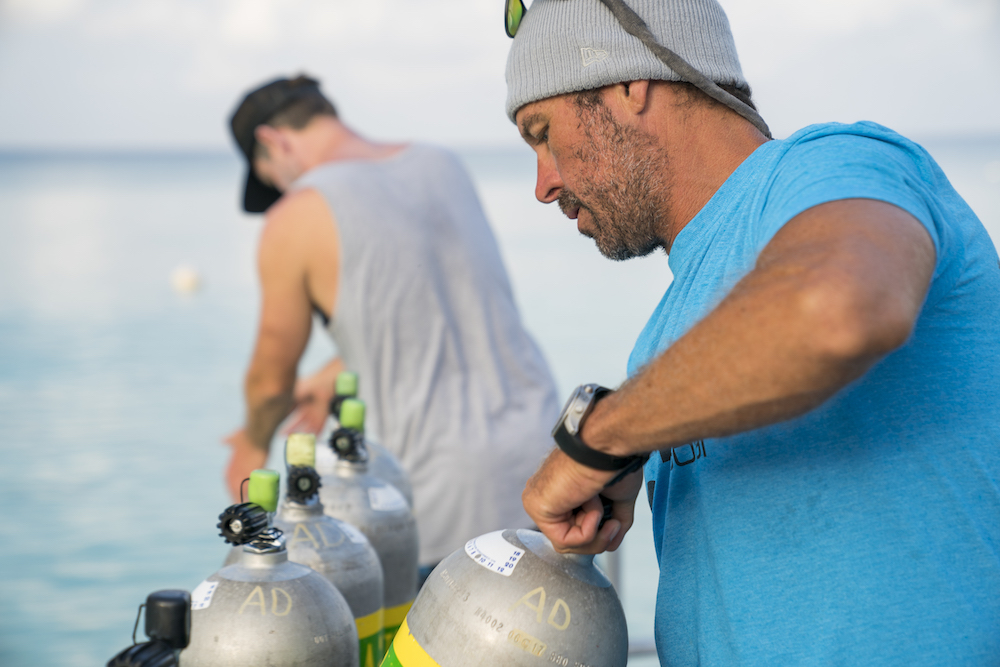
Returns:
<point x="566" y="46"/>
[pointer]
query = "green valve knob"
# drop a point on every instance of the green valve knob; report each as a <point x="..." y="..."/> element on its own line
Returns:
<point x="263" y="489"/>
<point x="352" y="414"/>
<point x="300" y="450"/>
<point x="347" y="384"/>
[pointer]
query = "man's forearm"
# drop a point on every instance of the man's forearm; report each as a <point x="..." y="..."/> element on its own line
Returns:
<point x="263" y="417"/>
<point x="791" y="334"/>
<point x="725" y="376"/>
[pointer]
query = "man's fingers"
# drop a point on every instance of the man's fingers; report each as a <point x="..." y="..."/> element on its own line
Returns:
<point x="611" y="535"/>
<point x="615" y="540"/>
<point x="581" y="532"/>
<point x="563" y="498"/>
<point x="587" y="538"/>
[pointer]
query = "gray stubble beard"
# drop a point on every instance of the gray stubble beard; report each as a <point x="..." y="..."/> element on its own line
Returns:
<point x="627" y="209"/>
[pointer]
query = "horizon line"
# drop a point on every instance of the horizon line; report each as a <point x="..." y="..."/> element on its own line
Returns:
<point x="219" y="152"/>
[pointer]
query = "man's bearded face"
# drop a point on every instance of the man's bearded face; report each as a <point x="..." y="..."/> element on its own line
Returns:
<point x="620" y="184"/>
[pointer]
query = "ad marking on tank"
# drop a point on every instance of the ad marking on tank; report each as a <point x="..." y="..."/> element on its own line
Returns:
<point x="280" y="605"/>
<point x="558" y="618"/>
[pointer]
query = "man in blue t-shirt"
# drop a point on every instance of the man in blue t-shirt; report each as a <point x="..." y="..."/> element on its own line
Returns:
<point x="817" y="390"/>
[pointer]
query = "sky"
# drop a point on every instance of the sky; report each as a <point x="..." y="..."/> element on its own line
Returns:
<point x="165" y="74"/>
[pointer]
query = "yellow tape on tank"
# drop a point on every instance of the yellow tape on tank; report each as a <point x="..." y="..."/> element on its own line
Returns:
<point x="406" y="652"/>
<point x="370" y="624"/>
<point x="371" y="639"/>
<point x="394" y="616"/>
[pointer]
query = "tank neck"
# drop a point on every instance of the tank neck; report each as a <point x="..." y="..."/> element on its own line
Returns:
<point x="293" y="511"/>
<point x="263" y="560"/>
<point x="586" y="560"/>
<point x="578" y="566"/>
<point x="345" y="468"/>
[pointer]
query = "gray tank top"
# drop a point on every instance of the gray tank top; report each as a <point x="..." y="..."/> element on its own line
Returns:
<point x="455" y="386"/>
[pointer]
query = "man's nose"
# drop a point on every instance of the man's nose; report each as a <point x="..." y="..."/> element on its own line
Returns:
<point x="548" y="184"/>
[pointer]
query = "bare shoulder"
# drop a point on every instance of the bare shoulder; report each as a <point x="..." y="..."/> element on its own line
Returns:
<point x="295" y="223"/>
<point x="296" y="212"/>
<point x="300" y="241"/>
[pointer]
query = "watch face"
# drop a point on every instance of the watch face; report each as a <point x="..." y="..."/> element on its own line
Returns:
<point x="562" y="415"/>
<point x="576" y="408"/>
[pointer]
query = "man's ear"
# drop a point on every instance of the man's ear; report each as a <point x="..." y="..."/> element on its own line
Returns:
<point x="632" y="95"/>
<point x="269" y="137"/>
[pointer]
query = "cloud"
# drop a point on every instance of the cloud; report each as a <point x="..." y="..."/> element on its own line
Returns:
<point x="406" y="69"/>
<point x="251" y="23"/>
<point x="39" y="11"/>
<point x="919" y="66"/>
<point x="163" y="21"/>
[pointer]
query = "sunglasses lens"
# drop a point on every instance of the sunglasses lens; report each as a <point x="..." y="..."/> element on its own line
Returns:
<point x="513" y="13"/>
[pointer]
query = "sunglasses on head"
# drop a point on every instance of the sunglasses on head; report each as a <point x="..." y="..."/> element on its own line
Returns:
<point x="513" y="12"/>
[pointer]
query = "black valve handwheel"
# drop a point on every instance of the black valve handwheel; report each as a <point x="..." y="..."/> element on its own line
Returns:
<point x="239" y="524"/>
<point x="303" y="483"/>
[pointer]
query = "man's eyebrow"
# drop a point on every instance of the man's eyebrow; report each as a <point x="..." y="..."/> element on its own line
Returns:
<point x="527" y="122"/>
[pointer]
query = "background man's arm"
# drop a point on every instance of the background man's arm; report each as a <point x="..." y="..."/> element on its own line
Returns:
<point x="283" y="331"/>
<point x="838" y="288"/>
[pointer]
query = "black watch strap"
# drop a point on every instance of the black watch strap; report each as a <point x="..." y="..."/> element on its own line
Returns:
<point x="571" y="444"/>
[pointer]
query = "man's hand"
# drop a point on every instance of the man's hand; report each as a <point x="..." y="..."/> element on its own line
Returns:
<point x="561" y="486"/>
<point x="312" y="399"/>
<point x="246" y="458"/>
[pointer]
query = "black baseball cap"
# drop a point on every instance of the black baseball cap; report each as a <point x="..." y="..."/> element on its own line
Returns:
<point x="257" y="108"/>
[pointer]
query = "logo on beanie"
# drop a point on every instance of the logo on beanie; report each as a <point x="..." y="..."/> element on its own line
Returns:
<point x="591" y="56"/>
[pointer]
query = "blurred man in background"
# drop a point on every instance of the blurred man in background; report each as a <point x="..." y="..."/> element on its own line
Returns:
<point x="389" y="245"/>
<point x="817" y="391"/>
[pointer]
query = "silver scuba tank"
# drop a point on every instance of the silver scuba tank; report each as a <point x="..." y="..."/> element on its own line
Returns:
<point x="266" y="610"/>
<point x="377" y="509"/>
<point x="334" y="548"/>
<point x="510" y="599"/>
<point x="168" y="627"/>
<point x="381" y="462"/>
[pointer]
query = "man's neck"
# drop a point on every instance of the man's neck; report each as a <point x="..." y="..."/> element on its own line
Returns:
<point x="326" y="139"/>
<point x="704" y="146"/>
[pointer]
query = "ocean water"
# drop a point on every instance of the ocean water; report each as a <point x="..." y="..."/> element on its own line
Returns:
<point x="115" y="391"/>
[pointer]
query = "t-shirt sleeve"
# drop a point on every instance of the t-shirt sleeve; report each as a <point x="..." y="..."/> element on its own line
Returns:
<point x="844" y="166"/>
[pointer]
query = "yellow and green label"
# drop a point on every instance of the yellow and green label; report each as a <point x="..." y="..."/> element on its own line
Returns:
<point x="371" y="638"/>
<point x="394" y="617"/>
<point x="405" y="651"/>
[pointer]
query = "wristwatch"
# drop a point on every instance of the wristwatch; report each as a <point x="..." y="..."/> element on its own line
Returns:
<point x="567" y="434"/>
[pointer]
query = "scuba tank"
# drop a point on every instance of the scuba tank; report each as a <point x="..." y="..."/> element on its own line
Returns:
<point x="266" y="610"/>
<point x="510" y="599"/>
<point x="168" y="626"/>
<point x="377" y="509"/>
<point x="381" y="462"/>
<point x="335" y="549"/>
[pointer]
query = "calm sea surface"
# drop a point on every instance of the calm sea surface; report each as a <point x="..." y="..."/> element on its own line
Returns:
<point x="115" y="390"/>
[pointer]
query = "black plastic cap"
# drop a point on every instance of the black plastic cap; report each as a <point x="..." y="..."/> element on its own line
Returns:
<point x="168" y="617"/>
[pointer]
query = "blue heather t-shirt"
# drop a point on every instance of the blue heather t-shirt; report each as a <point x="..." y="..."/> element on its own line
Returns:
<point x="866" y="532"/>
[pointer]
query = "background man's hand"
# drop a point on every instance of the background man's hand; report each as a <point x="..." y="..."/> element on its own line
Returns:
<point x="560" y="486"/>
<point x="312" y="399"/>
<point x="245" y="459"/>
